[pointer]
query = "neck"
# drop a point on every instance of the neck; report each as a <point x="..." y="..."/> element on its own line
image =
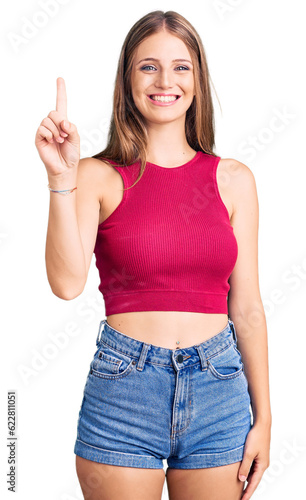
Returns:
<point x="167" y="144"/>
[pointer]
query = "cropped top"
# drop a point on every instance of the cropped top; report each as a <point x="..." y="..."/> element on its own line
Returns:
<point x="169" y="244"/>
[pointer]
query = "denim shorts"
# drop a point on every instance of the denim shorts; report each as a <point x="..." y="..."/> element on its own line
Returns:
<point x="143" y="404"/>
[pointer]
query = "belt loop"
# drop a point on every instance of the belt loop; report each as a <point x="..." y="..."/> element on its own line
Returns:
<point x="143" y="355"/>
<point x="233" y="330"/>
<point x="203" y="359"/>
<point x="100" y="331"/>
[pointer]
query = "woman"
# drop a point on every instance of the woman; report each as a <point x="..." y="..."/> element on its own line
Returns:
<point x="180" y="362"/>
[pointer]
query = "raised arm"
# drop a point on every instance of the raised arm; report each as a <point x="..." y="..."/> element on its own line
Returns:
<point x="73" y="217"/>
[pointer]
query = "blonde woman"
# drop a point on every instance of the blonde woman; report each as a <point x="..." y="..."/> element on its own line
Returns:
<point x="180" y="368"/>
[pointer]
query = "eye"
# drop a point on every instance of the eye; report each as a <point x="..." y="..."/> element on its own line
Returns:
<point x="182" y="67"/>
<point x="148" y="68"/>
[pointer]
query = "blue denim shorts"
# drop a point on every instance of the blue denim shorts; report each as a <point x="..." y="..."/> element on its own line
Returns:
<point x="143" y="404"/>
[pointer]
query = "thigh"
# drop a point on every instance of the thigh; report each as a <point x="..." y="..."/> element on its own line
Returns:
<point x="213" y="483"/>
<point x="111" y="482"/>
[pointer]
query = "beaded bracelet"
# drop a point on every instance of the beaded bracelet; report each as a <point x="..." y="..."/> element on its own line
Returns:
<point x="62" y="191"/>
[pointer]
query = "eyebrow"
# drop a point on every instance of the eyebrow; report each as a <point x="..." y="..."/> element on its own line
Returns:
<point x="157" y="60"/>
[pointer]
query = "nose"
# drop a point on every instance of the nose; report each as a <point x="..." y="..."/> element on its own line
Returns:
<point x="164" y="79"/>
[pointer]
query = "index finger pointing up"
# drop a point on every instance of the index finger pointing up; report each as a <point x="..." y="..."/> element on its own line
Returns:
<point x="61" y="97"/>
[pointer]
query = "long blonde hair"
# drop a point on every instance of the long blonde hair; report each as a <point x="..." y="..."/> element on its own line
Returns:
<point x="127" y="137"/>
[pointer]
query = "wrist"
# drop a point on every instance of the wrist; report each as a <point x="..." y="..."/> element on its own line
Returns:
<point x="264" y="420"/>
<point x="63" y="181"/>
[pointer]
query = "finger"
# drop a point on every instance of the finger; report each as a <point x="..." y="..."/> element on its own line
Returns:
<point x="44" y="133"/>
<point x="48" y="123"/>
<point x="61" y="123"/>
<point x="61" y="97"/>
<point x="252" y="485"/>
<point x="69" y="129"/>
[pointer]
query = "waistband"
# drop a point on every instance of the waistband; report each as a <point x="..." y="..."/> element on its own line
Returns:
<point x="150" y="353"/>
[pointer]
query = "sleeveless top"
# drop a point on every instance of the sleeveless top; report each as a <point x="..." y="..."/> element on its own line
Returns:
<point x="169" y="244"/>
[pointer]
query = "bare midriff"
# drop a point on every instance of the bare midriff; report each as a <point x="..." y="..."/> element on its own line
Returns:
<point x="168" y="329"/>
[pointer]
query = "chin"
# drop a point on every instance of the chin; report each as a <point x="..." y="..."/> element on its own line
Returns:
<point x="163" y="115"/>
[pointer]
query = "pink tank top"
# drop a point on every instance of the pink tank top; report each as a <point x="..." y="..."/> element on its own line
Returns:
<point x="169" y="244"/>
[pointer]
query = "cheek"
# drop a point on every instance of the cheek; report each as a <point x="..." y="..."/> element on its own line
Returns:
<point x="192" y="86"/>
<point x="136" y="87"/>
<point x="189" y="83"/>
<point x="136" y="93"/>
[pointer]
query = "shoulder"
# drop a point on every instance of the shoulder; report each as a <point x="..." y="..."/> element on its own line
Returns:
<point x="241" y="183"/>
<point x="95" y="174"/>
<point x="94" y="168"/>
<point x="238" y="176"/>
<point x="236" y="169"/>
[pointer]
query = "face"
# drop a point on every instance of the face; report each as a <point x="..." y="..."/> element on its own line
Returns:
<point x="162" y="78"/>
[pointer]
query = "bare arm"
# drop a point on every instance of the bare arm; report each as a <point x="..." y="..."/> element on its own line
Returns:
<point x="73" y="218"/>
<point x="72" y="230"/>
<point x="245" y="304"/>
<point x="247" y="312"/>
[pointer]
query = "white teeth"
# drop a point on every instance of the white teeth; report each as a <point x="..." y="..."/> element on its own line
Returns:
<point x="163" y="98"/>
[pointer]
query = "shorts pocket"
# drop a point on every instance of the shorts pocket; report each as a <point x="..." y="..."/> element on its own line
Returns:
<point x="108" y="363"/>
<point x="226" y="364"/>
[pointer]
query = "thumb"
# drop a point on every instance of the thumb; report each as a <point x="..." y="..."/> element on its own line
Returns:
<point x="66" y="125"/>
<point x="244" y="469"/>
<point x="71" y="130"/>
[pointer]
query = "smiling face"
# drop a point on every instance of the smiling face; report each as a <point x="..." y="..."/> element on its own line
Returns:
<point x="162" y="78"/>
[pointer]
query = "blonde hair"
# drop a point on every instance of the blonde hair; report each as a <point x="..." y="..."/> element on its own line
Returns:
<point x="127" y="137"/>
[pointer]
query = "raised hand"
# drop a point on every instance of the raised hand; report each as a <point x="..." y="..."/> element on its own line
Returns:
<point x="57" y="140"/>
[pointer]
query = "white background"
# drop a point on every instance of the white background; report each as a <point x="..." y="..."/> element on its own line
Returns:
<point x="256" y="57"/>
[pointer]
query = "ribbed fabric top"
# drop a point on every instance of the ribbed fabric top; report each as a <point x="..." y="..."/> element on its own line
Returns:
<point x="169" y="244"/>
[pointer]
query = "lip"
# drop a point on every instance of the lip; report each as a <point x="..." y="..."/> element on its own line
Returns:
<point x="159" y="103"/>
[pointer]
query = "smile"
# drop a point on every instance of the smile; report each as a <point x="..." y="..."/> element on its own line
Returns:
<point x="163" y="99"/>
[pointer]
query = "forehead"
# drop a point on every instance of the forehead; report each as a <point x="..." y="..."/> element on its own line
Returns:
<point x="163" y="46"/>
